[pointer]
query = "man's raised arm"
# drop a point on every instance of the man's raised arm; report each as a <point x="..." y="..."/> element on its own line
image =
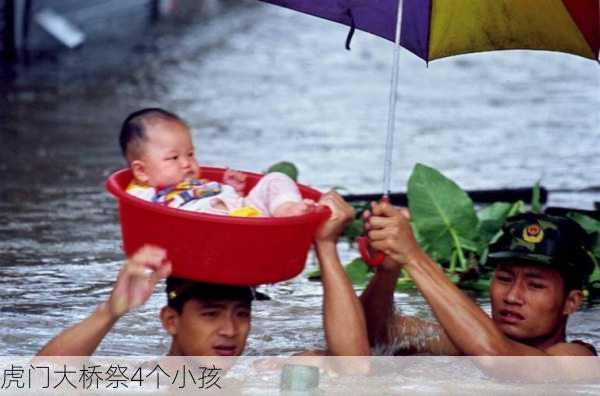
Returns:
<point x="468" y="327"/>
<point x="134" y="285"/>
<point x="344" y="322"/>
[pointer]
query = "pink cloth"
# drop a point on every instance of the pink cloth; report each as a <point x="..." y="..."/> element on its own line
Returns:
<point x="271" y="191"/>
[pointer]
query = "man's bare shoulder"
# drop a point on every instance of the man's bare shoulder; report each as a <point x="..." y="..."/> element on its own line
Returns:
<point x="574" y="348"/>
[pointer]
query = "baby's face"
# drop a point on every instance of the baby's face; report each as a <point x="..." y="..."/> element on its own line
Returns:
<point x="168" y="154"/>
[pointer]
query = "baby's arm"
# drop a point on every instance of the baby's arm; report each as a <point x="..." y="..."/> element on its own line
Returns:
<point x="235" y="179"/>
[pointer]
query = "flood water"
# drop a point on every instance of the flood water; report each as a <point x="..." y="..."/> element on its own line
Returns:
<point x="260" y="84"/>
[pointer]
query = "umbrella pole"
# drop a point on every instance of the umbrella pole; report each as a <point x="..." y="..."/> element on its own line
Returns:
<point x="393" y="100"/>
<point x="376" y="258"/>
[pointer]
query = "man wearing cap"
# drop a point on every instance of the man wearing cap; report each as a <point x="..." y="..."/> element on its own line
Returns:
<point x="208" y="319"/>
<point x="541" y="265"/>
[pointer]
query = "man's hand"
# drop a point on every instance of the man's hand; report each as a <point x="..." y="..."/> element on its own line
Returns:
<point x="235" y="179"/>
<point x="389" y="231"/>
<point x="341" y="214"/>
<point x="136" y="280"/>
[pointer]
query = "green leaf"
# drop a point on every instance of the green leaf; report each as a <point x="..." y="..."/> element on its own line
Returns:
<point x="314" y="275"/>
<point x="357" y="271"/>
<point x="595" y="276"/>
<point x="471" y="246"/>
<point x="536" y="205"/>
<point x="441" y="212"/>
<point x="495" y="212"/>
<point x="481" y="285"/>
<point x="285" y="167"/>
<point x="518" y="207"/>
<point x="491" y="220"/>
<point x="454" y="278"/>
<point x="405" y="284"/>
<point x="588" y="223"/>
<point x="592" y="226"/>
<point x="360" y="207"/>
<point x="354" y="230"/>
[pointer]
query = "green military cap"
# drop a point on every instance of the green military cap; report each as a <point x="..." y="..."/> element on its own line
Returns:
<point x="178" y="288"/>
<point x="552" y="241"/>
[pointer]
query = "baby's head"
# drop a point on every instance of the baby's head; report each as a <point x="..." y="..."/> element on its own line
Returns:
<point x="158" y="147"/>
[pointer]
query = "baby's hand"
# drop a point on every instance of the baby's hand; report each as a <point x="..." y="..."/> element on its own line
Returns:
<point x="235" y="179"/>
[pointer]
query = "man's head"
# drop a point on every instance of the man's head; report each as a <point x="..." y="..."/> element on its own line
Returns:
<point x="541" y="263"/>
<point x="207" y="319"/>
<point x="158" y="147"/>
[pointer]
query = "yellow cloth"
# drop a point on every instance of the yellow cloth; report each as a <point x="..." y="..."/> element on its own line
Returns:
<point x="246" y="211"/>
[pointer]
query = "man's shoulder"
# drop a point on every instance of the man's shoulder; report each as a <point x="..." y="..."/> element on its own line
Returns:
<point x="572" y="348"/>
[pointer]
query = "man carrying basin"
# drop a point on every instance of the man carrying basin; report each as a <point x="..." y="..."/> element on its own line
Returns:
<point x="541" y="264"/>
<point x="204" y="319"/>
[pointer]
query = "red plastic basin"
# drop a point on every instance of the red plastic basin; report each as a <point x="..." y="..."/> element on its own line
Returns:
<point x="219" y="249"/>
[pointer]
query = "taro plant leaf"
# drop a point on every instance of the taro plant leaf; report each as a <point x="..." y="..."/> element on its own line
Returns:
<point x="592" y="226"/>
<point x="314" y="275"/>
<point x="588" y="223"/>
<point x="491" y="220"/>
<point x="518" y="207"/>
<point x="536" y="204"/>
<point x="441" y="211"/>
<point x="486" y="231"/>
<point x="286" y="168"/>
<point x="404" y="284"/>
<point x="593" y="286"/>
<point x="354" y="230"/>
<point x="471" y="246"/>
<point x="454" y="278"/>
<point x="435" y="256"/>
<point x="357" y="271"/>
<point x="595" y="276"/>
<point x="481" y="285"/>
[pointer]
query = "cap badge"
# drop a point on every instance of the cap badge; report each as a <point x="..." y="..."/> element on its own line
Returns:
<point x="533" y="233"/>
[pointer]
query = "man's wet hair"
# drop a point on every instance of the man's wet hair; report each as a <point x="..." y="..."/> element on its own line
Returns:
<point x="134" y="128"/>
<point x="180" y="291"/>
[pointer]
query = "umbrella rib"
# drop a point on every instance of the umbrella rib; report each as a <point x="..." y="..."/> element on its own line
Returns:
<point x="352" y="29"/>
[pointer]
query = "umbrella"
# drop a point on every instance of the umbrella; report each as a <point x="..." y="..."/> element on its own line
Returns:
<point x="434" y="29"/>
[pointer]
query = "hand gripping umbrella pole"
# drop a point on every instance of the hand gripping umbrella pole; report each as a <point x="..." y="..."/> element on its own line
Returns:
<point x="375" y="258"/>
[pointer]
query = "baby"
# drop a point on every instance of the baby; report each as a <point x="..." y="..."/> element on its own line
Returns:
<point x="158" y="146"/>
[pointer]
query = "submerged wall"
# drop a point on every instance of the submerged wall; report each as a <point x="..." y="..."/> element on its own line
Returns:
<point x="25" y="29"/>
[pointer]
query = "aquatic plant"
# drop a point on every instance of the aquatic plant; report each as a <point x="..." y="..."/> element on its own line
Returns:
<point x="286" y="168"/>
<point x="457" y="235"/>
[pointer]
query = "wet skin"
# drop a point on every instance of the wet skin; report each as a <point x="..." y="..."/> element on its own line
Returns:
<point x="528" y="303"/>
<point x="208" y="328"/>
